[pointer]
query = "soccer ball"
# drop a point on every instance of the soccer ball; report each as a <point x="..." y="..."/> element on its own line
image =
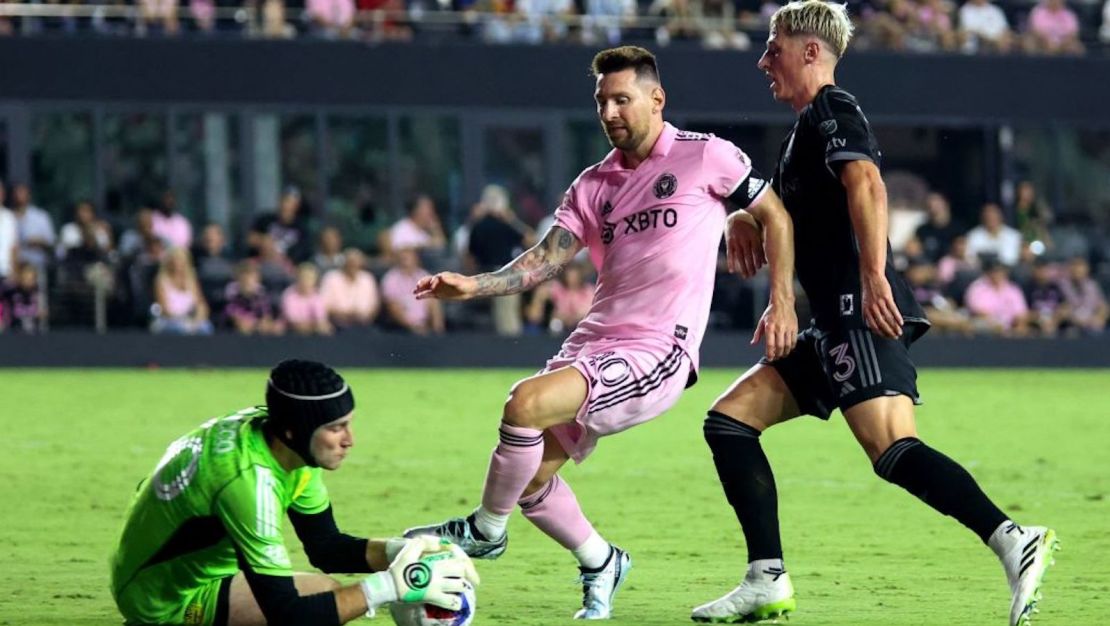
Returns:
<point x="429" y="615"/>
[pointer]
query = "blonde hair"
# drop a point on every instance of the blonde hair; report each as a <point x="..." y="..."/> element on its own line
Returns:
<point x="827" y="21"/>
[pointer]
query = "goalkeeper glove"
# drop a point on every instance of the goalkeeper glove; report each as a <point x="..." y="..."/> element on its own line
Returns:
<point x="417" y="576"/>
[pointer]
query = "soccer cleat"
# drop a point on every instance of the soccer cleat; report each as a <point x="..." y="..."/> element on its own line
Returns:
<point x="1027" y="556"/>
<point x="600" y="586"/>
<point x="461" y="532"/>
<point x="762" y="595"/>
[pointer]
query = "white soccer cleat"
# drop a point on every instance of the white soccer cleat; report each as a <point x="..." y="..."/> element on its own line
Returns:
<point x="1026" y="553"/>
<point x="600" y="587"/>
<point x="762" y="595"/>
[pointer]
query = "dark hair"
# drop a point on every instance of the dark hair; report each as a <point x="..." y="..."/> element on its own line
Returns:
<point x="626" y="57"/>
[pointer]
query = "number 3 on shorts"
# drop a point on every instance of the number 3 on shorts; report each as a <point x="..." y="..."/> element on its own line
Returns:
<point x="842" y="359"/>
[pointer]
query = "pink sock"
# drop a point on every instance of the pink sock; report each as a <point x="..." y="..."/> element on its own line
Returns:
<point x="513" y="464"/>
<point x="555" y="511"/>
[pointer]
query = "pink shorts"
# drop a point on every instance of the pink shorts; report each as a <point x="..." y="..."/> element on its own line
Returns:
<point x="630" y="382"/>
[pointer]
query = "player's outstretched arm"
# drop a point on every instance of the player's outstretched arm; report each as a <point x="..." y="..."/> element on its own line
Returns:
<point x="779" y="324"/>
<point x="539" y="263"/>
<point x="867" y="208"/>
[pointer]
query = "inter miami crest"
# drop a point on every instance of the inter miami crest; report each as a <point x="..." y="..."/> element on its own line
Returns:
<point x="666" y="186"/>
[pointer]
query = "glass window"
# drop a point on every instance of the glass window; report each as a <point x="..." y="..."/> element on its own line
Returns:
<point x="62" y="168"/>
<point x="1069" y="168"/>
<point x="587" y="144"/>
<point x="515" y="159"/>
<point x="134" y="161"/>
<point x="206" y="168"/>
<point x="430" y="155"/>
<point x="357" y="166"/>
<point x="300" y="158"/>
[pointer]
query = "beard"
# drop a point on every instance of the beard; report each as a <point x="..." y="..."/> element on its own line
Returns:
<point x="629" y="139"/>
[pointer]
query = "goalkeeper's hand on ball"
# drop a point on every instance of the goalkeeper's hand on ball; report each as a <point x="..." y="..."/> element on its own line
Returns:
<point x="425" y="569"/>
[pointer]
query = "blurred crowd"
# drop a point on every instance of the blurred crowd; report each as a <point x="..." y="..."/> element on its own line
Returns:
<point x="970" y="26"/>
<point x="293" y="272"/>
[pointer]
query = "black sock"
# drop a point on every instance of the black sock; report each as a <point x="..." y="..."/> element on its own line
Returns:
<point x="941" y="483"/>
<point x="748" y="482"/>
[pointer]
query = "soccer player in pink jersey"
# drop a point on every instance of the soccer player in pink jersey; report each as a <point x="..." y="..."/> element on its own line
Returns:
<point x="651" y="215"/>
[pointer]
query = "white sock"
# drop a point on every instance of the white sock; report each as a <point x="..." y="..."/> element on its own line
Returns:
<point x="760" y="568"/>
<point x="1001" y="541"/>
<point x="593" y="553"/>
<point x="491" y="525"/>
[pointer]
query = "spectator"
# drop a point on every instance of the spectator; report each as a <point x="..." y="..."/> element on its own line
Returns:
<point x="215" y="268"/>
<point x="21" y="302"/>
<point x="719" y="26"/>
<point x="497" y="238"/>
<point x="942" y="312"/>
<point x="996" y="303"/>
<point x="180" y="308"/>
<point x="419" y="317"/>
<point x="204" y="15"/>
<point x="141" y="252"/>
<point x="378" y="20"/>
<point x="984" y="27"/>
<point x="330" y="19"/>
<point x="36" y="229"/>
<point x="542" y="20"/>
<point x="936" y="234"/>
<point x="1053" y="29"/>
<point x="287" y="227"/>
<point x="492" y="195"/>
<point x="329" y="250"/>
<point x="1048" y="309"/>
<point x="276" y="268"/>
<point x="274" y="25"/>
<point x="1104" y="31"/>
<point x="1033" y="214"/>
<point x="933" y="20"/>
<point x="170" y="225"/>
<point x="570" y="297"/>
<point x="1087" y="303"/>
<point x="134" y="239"/>
<point x="9" y="238"/>
<point x="994" y="237"/>
<point x="302" y="305"/>
<point x="157" y="17"/>
<point x="86" y="231"/>
<point x="421" y="229"/>
<point x="249" y="309"/>
<point x="602" y="23"/>
<point x="912" y="252"/>
<point x="351" y="293"/>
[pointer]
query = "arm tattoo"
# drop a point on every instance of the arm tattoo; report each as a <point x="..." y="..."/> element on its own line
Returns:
<point x="540" y="263"/>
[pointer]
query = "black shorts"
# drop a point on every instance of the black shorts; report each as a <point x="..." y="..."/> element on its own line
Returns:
<point x="223" y="603"/>
<point x="841" y="368"/>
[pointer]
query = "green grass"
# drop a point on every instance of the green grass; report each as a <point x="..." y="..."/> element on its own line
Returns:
<point x="74" y="443"/>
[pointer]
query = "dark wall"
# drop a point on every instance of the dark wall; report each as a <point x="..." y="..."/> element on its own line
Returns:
<point x="938" y="88"/>
<point x="72" y="349"/>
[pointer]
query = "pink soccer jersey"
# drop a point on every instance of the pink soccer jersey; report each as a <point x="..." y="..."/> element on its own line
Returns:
<point x="653" y="233"/>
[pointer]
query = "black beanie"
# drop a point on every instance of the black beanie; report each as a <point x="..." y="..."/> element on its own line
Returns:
<point x="301" y="396"/>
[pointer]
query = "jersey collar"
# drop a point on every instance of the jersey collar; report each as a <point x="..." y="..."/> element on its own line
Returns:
<point x="662" y="147"/>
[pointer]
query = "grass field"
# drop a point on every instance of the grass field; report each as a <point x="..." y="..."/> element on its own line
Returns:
<point x="861" y="551"/>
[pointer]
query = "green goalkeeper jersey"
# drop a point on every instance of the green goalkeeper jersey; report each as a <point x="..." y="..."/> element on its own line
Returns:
<point x="217" y="491"/>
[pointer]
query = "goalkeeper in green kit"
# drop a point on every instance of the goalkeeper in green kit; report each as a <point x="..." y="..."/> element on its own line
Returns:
<point x="203" y="543"/>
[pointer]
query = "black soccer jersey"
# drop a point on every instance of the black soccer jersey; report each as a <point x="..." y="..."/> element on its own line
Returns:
<point x="829" y="132"/>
